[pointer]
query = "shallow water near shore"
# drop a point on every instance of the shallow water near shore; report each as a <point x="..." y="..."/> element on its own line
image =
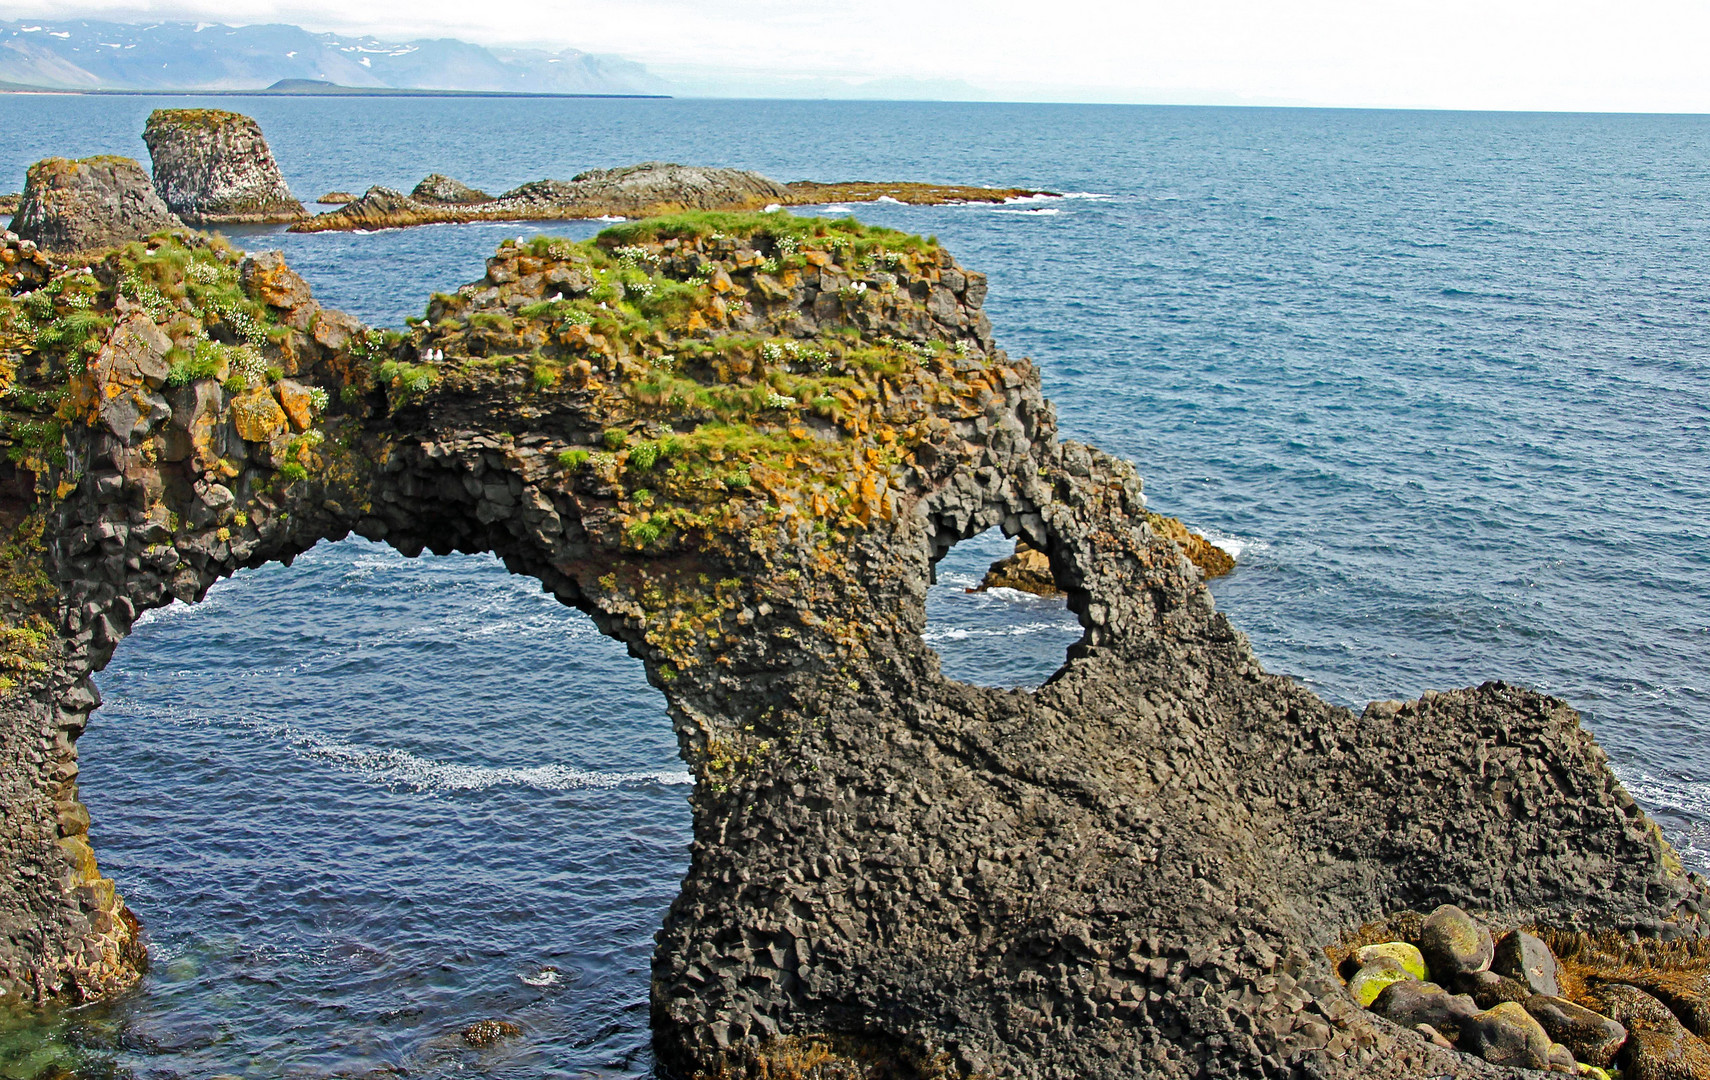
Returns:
<point x="1439" y="380"/>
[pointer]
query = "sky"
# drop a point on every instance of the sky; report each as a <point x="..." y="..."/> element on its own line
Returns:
<point x="1639" y="55"/>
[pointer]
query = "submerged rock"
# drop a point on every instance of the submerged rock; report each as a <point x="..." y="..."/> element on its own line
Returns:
<point x="93" y="203"/>
<point x="484" y="1033"/>
<point x="214" y="167"/>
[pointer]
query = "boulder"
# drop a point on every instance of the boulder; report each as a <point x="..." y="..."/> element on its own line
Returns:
<point x="1506" y="1035"/>
<point x="1593" y="1037"/>
<point x="1401" y="952"/>
<point x="1658" y="1046"/>
<point x="1488" y="988"/>
<point x="1454" y="943"/>
<point x="437" y="188"/>
<point x="214" y="167"/>
<point x="1373" y="978"/>
<point x="1411" y="1004"/>
<point x="1527" y="960"/>
<point x="93" y="203"/>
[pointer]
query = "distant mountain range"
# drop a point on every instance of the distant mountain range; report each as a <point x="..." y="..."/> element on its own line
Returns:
<point x="208" y="56"/>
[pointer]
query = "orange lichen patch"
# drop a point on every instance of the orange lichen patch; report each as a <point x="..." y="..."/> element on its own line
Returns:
<point x="1212" y="560"/>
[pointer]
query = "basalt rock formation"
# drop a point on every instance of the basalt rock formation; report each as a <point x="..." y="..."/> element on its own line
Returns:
<point x="437" y="188"/>
<point x="647" y="190"/>
<point x="738" y="444"/>
<point x="214" y="168"/>
<point x="93" y="203"/>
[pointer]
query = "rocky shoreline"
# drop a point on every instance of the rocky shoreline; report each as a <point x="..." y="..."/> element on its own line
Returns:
<point x="739" y="443"/>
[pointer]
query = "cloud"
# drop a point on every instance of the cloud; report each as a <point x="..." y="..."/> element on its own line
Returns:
<point x="1446" y="53"/>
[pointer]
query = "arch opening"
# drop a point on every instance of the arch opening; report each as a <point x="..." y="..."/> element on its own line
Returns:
<point x="364" y="802"/>
<point x="995" y="615"/>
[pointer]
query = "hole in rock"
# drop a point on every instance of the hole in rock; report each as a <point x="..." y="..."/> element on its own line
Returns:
<point x="363" y="802"/>
<point x="997" y="634"/>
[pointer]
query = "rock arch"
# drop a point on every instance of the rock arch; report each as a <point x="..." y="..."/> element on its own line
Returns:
<point x="737" y="443"/>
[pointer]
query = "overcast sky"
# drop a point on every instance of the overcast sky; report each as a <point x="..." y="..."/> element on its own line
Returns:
<point x="1642" y="55"/>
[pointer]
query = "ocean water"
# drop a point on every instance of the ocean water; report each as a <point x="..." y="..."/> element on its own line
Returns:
<point x="1440" y="381"/>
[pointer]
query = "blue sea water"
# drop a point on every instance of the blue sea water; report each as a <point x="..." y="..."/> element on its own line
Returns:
<point x="1439" y="379"/>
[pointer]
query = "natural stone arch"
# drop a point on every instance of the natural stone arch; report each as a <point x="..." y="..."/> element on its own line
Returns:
<point x="1134" y="870"/>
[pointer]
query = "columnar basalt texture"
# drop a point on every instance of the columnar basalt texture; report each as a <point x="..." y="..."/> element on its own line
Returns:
<point x="93" y="203"/>
<point x="739" y="443"/>
<point x="213" y="167"/>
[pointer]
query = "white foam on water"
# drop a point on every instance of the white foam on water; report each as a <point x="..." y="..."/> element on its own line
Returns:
<point x="888" y="199"/>
<point x="1233" y="546"/>
<point x="401" y="768"/>
<point x="838" y="208"/>
<point x="1018" y="200"/>
<point x="1023" y="630"/>
<point x="611" y="217"/>
<point x="1044" y="211"/>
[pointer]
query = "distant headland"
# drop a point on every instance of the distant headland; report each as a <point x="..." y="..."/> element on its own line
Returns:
<point x="203" y="58"/>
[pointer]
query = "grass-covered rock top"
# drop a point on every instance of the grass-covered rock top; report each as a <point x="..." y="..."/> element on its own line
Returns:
<point x="752" y="368"/>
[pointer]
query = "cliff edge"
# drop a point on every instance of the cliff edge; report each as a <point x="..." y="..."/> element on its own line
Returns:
<point x="739" y="443"/>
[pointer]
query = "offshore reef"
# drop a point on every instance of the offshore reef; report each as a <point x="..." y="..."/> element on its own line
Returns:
<point x="739" y="442"/>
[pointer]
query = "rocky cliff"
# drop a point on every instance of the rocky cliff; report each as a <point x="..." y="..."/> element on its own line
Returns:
<point x="739" y="443"/>
<point x="213" y="167"/>
<point x="93" y="203"/>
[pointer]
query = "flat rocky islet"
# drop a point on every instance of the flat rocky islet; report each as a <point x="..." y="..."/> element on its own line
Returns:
<point x="738" y="441"/>
<point x="649" y="189"/>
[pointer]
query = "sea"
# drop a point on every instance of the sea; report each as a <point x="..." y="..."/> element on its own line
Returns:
<point x="1439" y="381"/>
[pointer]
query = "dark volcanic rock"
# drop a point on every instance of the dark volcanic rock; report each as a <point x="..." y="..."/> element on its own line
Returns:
<point x="1593" y="1037"/>
<point x="1133" y="870"/>
<point x="1506" y="1035"/>
<point x="214" y="167"/>
<point x="1411" y="1003"/>
<point x="1658" y="1047"/>
<point x="436" y="188"/>
<point x="1523" y="958"/>
<point x="93" y="203"/>
<point x="1454" y="943"/>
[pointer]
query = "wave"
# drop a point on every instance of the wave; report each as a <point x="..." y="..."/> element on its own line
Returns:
<point x="1016" y="200"/>
<point x="1233" y="546"/>
<point x="960" y="634"/>
<point x="400" y="768"/>
<point x="1043" y="211"/>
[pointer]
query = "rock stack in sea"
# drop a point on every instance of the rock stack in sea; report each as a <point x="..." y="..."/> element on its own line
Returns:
<point x="1510" y="1001"/>
<point x="738" y="445"/>
<point x="213" y="167"/>
<point x="93" y="203"/>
